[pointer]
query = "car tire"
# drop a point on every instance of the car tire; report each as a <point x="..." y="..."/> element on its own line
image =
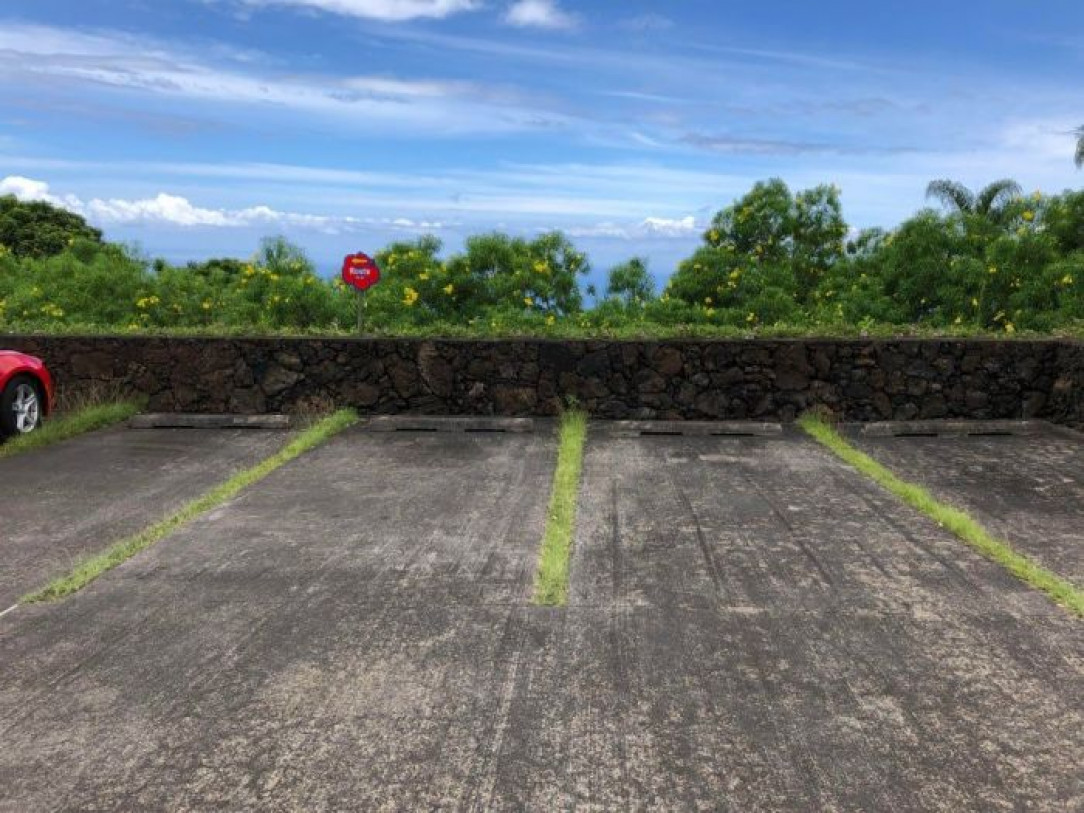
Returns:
<point x="21" y="406"/>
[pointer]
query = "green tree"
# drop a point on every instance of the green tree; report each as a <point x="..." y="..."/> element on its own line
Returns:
<point x="1079" y="133"/>
<point x="513" y="274"/>
<point x="39" y="229"/>
<point x="993" y="202"/>
<point x="1063" y="218"/>
<point x="765" y="255"/>
<point x="630" y="282"/>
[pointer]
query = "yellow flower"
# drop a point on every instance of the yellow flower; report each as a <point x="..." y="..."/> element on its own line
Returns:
<point x="449" y="289"/>
<point x="424" y="275"/>
<point x="1029" y="216"/>
<point x="752" y="317"/>
<point x="974" y="302"/>
<point x="410" y="296"/>
<point x="713" y="235"/>
<point x="542" y="267"/>
<point x="992" y="269"/>
<point x="1009" y="327"/>
<point x="528" y="301"/>
<point x="206" y="304"/>
<point x="551" y="319"/>
<point x="250" y="271"/>
<point x="1067" y="279"/>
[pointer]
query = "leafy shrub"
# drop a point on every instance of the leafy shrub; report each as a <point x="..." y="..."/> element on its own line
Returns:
<point x="38" y="229"/>
<point x="771" y="261"/>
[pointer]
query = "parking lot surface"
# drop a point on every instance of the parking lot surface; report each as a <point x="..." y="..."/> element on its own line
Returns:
<point x="62" y="502"/>
<point x="1026" y="488"/>
<point x="752" y="625"/>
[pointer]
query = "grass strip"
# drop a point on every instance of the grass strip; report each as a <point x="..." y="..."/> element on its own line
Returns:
<point x="959" y="522"/>
<point x="94" y="566"/>
<point x="551" y="582"/>
<point x="69" y="425"/>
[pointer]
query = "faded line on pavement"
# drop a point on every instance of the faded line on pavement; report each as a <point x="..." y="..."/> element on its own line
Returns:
<point x="551" y="581"/>
<point x="960" y="523"/>
<point x="94" y="566"/>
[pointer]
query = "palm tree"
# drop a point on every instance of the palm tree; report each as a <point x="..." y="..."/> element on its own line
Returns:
<point x="1079" y="133"/>
<point x="989" y="203"/>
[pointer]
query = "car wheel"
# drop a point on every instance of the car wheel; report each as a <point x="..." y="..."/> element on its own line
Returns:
<point x="20" y="406"/>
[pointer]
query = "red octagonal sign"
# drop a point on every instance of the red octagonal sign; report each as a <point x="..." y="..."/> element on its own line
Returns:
<point x="360" y="271"/>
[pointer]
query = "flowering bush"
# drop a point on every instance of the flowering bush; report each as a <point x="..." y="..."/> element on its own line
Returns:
<point x="773" y="260"/>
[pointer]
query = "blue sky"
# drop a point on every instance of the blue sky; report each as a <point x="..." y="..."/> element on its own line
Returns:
<point x="196" y="126"/>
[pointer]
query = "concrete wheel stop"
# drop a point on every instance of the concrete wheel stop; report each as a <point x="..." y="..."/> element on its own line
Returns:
<point x="182" y="420"/>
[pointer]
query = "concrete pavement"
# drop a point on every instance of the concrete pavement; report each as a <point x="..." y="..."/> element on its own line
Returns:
<point x="752" y="626"/>
<point x="62" y="502"/>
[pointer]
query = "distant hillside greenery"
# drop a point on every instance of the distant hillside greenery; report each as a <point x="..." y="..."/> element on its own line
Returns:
<point x="776" y="261"/>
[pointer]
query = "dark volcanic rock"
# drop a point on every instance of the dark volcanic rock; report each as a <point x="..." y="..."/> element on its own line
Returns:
<point x="763" y="379"/>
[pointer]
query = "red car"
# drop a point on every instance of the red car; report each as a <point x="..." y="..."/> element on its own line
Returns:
<point x="26" y="393"/>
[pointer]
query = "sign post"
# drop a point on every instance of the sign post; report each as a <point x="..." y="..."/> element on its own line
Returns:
<point x="361" y="273"/>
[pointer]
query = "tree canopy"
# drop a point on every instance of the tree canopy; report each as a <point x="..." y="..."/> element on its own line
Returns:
<point x="39" y="229"/>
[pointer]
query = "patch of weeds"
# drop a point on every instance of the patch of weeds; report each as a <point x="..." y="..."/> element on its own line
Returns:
<point x="551" y="583"/>
<point x="958" y="522"/>
<point x="94" y="566"/>
<point x="69" y="424"/>
<point x="311" y="410"/>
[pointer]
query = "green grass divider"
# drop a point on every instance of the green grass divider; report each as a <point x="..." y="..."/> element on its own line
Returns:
<point x="551" y="581"/>
<point x="69" y="425"/>
<point x="94" y="566"/>
<point x="960" y="523"/>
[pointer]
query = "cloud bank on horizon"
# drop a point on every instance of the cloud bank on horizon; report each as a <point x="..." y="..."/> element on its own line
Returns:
<point x="196" y="127"/>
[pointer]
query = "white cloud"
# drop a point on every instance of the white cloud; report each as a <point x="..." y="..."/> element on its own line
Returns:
<point x="25" y="188"/>
<point x="391" y="11"/>
<point x="649" y="228"/>
<point x="28" y="189"/>
<point x="163" y="209"/>
<point x="670" y="228"/>
<point x="72" y="61"/>
<point x="173" y="210"/>
<point x="539" y="14"/>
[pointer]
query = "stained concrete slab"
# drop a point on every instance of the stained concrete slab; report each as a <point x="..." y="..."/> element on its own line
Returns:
<point x="755" y="626"/>
<point x="752" y="626"/>
<point x="343" y="636"/>
<point x="1026" y="487"/>
<point x="62" y="502"/>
